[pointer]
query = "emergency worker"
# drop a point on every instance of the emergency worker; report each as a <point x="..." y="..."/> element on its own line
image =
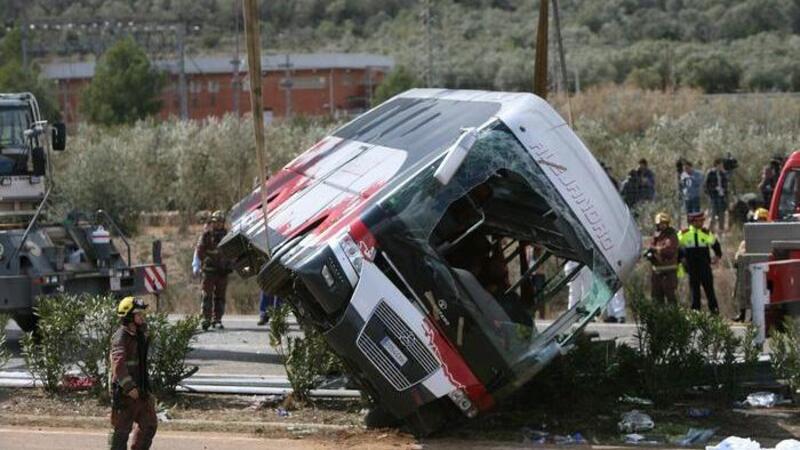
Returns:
<point x="130" y="388"/>
<point x="215" y="271"/>
<point x="663" y="255"/>
<point x="743" y="283"/>
<point x="696" y="244"/>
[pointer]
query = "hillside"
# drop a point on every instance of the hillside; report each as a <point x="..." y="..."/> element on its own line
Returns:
<point x="717" y="45"/>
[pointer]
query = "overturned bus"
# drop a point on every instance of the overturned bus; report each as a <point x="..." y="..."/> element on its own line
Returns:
<point x="411" y="238"/>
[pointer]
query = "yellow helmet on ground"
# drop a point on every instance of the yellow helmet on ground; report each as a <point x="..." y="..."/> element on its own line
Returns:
<point x="128" y="305"/>
<point x="762" y="214"/>
<point x="663" y="217"/>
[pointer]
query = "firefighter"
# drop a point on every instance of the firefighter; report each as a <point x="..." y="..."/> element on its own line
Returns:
<point x="214" y="269"/>
<point x="131" y="399"/>
<point x="696" y="244"/>
<point x="663" y="255"/>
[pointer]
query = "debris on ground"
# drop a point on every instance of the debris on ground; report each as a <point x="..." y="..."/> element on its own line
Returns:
<point x="695" y="436"/>
<point x="76" y="383"/>
<point x="629" y="399"/>
<point x="639" y="439"/>
<point x="572" y="439"/>
<point x="635" y="421"/>
<point x="164" y="416"/>
<point x="761" y="400"/>
<point x="737" y="443"/>
<point x="265" y="402"/>
<point x="282" y="412"/>
<point x="534" y="436"/>
<point x="698" y="413"/>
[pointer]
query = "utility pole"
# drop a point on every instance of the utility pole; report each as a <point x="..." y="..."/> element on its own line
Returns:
<point x="182" y="90"/>
<point x="429" y="39"/>
<point x="565" y="81"/>
<point x="253" y="38"/>
<point x="236" y="85"/>
<point x="540" y="63"/>
<point x="287" y="84"/>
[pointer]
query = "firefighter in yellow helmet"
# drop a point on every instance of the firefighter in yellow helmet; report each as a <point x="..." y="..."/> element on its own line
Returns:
<point x="131" y="398"/>
<point x="663" y="255"/>
<point x="696" y="245"/>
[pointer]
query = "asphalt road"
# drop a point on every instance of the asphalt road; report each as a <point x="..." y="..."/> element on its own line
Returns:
<point x="242" y="348"/>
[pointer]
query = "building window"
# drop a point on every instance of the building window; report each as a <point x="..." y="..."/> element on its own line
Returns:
<point x="213" y="86"/>
<point x="307" y="82"/>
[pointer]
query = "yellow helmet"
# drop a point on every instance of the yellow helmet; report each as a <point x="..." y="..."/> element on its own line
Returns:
<point x="663" y="217"/>
<point x="218" y="216"/>
<point x="762" y="214"/>
<point x="129" y="304"/>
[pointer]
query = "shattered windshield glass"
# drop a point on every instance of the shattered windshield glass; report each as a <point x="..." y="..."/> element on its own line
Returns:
<point x="457" y="242"/>
<point x="13" y="123"/>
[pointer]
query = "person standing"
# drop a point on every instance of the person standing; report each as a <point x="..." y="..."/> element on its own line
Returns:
<point x="648" y="181"/>
<point x="268" y="302"/>
<point x="696" y="244"/>
<point x="769" y="178"/>
<point x="631" y="189"/>
<point x="214" y="269"/>
<point x="131" y="398"/>
<point x="717" y="190"/>
<point x="663" y="255"/>
<point x="691" y="182"/>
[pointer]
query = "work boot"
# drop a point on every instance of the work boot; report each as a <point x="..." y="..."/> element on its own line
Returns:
<point x="610" y="319"/>
<point x="263" y="320"/>
<point x="217" y="324"/>
<point x="741" y="316"/>
<point x="205" y="325"/>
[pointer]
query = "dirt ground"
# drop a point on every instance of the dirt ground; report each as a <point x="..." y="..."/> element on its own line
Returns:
<point x="337" y="422"/>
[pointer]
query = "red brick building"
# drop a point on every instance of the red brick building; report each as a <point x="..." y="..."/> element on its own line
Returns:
<point x="304" y="84"/>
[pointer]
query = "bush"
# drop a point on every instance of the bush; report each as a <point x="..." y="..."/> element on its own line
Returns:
<point x="679" y="348"/>
<point x="77" y="331"/>
<point x="170" y="344"/>
<point x="305" y="358"/>
<point x="785" y="346"/>
<point x="53" y="349"/>
<point x="5" y="354"/>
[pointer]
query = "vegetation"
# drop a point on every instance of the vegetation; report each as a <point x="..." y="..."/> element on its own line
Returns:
<point x="785" y="346"/>
<point x="125" y="87"/>
<point x="77" y="331"/>
<point x="306" y="358"/>
<point x="15" y="78"/>
<point x="650" y="43"/>
<point x="5" y="354"/>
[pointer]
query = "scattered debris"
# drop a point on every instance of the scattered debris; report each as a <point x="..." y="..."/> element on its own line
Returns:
<point x="635" y="421"/>
<point x="534" y="436"/>
<point x="698" y="413"/>
<point x="164" y="416"/>
<point x="282" y="412"/>
<point x="695" y="436"/>
<point x="639" y="439"/>
<point x="737" y="443"/>
<point x="572" y="439"/>
<point x="76" y="383"/>
<point x="761" y="400"/>
<point x="635" y="400"/>
<point x="265" y="402"/>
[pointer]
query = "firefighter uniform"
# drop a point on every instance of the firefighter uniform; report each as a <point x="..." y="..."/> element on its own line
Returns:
<point x="696" y="244"/>
<point x="128" y="372"/>
<point x="215" y="271"/>
<point x="663" y="256"/>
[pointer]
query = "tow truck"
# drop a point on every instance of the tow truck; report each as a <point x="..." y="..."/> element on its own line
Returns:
<point x="38" y="258"/>
<point x="410" y="238"/>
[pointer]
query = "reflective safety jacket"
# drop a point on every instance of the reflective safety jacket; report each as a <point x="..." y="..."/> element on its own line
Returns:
<point x="696" y="245"/>
<point x="129" y="359"/>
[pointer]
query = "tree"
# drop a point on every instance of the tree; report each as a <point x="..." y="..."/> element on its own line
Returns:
<point x="125" y="88"/>
<point x="401" y="79"/>
<point x="15" y="78"/>
<point x="712" y="73"/>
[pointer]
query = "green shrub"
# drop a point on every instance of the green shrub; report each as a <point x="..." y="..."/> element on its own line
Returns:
<point x="5" y="354"/>
<point x="52" y="350"/>
<point x="785" y="346"/>
<point x="98" y="324"/>
<point x="305" y="358"/>
<point x="170" y="344"/>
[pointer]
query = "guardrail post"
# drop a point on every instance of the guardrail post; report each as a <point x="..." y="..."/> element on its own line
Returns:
<point x="759" y="295"/>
